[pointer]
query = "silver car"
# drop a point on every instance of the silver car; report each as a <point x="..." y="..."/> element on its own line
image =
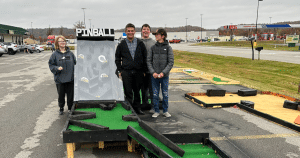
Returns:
<point x="3" y="49"/>
<point x="39" y="48"/>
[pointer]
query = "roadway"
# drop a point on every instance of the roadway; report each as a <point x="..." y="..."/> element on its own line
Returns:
<point x="282" y="56"/>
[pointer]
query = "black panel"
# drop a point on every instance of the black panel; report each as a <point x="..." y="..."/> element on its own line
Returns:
<point x="215" y="92"/>
<point x="290" y="105"/>
<point x="247" y="92"/>
<point x="188" y="137"/>
<point x="94" y="136"/>
<point x="247" y="103"/>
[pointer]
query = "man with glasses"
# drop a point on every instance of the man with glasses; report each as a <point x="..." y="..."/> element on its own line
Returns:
<point x="130" y="59"/>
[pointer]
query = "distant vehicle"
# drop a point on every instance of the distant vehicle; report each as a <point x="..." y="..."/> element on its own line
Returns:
<point x="39" y="48"/>
<point x="3" y="49"/>
<point x="216" y="39"/>
<point x="72" y="41"/>
<point x="31" y="48"/>
<point x="203" y="40"/>
<point x="192" y="40"/>
<point x="243" y="39"/>
<point x="12" y="48"/>
<point x="50" y="39"/>
<point x="174" y="41"/>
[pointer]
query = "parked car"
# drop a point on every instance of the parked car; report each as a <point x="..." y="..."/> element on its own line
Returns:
<point x="31" y="48"/>
<point x="39" y="48"/>
<point x="12" y="48"/>
<point x="216" y="39"/>
<point x="3" y="49"/>
<point x="192" y="40"/>
<point x="243" y="39"/>
<point x="174" y="41"/>
<point x="203" y="40"/>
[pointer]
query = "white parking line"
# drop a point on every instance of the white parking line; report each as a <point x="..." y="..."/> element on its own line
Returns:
<point x="44" y="122"/>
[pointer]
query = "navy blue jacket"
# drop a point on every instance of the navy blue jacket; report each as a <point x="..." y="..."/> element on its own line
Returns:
<point x="124" y="60"/>
<point x="67" y="61"/>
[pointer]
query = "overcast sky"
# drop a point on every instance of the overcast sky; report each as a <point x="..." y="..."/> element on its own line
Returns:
<point x="157" y="13"/>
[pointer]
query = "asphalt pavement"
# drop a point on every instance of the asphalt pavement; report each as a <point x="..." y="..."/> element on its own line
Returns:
<point x="31" y="126"/>
<point x="282" y="56"/>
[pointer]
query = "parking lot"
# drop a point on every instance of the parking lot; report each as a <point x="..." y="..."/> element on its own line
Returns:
<point x="31" y="126"/>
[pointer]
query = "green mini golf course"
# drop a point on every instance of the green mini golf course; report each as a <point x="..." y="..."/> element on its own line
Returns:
<point x="113" y="120"/>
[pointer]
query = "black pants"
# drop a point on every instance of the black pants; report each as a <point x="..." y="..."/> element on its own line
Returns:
<point x="147" y="89"/>
<point x="132" y="83"/>
<point x="62" y="90"/>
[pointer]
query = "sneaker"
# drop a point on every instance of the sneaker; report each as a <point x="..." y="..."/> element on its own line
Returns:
<point x="69" y="111"/>
<point x="166" y="114"/>
<point x="152" y="111"/>
<point x="61" y="112"/>
<point x="155" y="114"/>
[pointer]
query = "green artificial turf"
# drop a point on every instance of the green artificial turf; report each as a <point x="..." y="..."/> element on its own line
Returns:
<point x="197" y="150"/>
<point x="218" y="79"/>
<point x="76" y="128"/>
<point x="113" y="120"/>
<point x="109" y="118"/>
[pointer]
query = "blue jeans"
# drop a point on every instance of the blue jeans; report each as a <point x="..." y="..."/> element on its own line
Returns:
<point x="164" y="84"/>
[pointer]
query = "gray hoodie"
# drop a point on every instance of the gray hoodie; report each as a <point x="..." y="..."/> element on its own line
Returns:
<point x="149" y="42"/>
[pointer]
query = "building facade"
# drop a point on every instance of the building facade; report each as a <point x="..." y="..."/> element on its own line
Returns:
<point x="12" y="34"/>
<point x="180" y="35"/>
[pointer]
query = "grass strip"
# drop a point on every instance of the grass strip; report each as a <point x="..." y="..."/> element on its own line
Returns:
<point x="262" y="75"/>
<point x="268" y="45"/>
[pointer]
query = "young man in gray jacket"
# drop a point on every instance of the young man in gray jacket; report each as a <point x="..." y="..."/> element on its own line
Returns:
<point x="147" y="87"/>
<point x="160" y="61"/>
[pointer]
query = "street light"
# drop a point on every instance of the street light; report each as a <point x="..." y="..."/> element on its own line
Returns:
<point x="31" y="30"/>
<point x="186" y="29"/>
<point x="90" y="23"/>
<point x="83" y="15"/>
<point x="257" y="19"/>
<point x="201" y="27"/>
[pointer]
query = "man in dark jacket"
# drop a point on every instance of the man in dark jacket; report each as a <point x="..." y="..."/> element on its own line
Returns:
<point x="131" y="64"/>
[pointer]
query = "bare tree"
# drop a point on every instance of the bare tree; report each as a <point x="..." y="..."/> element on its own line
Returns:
<point x="61" y="30"/>
<point x="49" y="31"/>
<point x="79" y="24"/>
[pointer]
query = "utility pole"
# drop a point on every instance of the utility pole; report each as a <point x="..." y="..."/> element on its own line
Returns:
<point x="201" y="28"/>
<point x="83" y="16"/>
<point x="256" y="20"/>
<point x="186" y="29"/>
<point x="90" y="23"/>
<point x="31" y="30"/>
